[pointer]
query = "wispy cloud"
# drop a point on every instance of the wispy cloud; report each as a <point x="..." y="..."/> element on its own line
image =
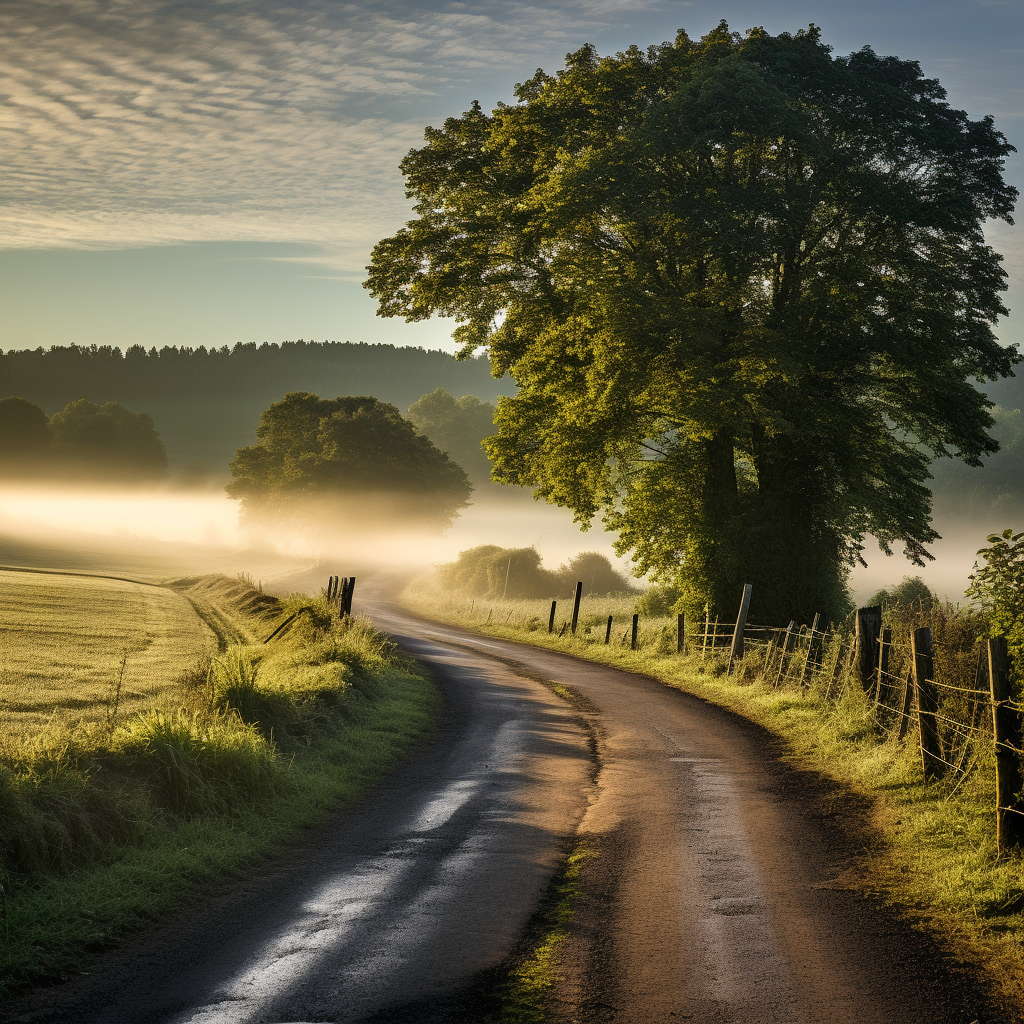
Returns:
<point x="133" y="122"/>
<point x="136" y="121"/>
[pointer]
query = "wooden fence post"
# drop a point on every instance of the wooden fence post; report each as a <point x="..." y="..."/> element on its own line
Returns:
<point x="608" y="631"/>
<point x="707" y="630"/>
<point x="576" y="606"/>
<point x="784" y="650"/>
<point x="869" y="624"/>
<point x="551" y="617"/>
<point x="736" y="652"/>
<point x="1009" y="737"/>
<point x="680" y="633"/>
<point x="805" y="675"/>
<point x="884" y="649"/>
<point x="927" y="704"/>
<point x="636" y="624"/>
<point x="908" y="702"/>
<point x="346" y="595"/>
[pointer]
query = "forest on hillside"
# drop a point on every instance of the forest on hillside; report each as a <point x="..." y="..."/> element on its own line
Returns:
<point x="60" y="374"/>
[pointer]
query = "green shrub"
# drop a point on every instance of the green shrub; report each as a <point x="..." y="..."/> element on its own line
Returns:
<point x="198" y="763"/>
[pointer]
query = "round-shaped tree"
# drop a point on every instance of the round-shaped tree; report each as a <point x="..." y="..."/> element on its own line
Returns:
<point x="744" y="289"/>
<point x="317" y="459"/>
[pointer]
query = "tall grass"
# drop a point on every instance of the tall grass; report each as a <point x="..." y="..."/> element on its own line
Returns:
<point x="933" y="849"/>
<point x="250" y="744"/>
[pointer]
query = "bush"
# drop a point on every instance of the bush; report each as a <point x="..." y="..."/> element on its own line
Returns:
<point x="659" y="599"/>
<point x="911" y="592"/>
<point x="998" y="585"/>
<point x="597" y="573"/>
<point x="492" y="571"/>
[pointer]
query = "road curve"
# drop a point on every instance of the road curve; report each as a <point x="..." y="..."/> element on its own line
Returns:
<point x="719" y="891"/>
<point x="404" y="899"/>
<point x="716" y="892"/>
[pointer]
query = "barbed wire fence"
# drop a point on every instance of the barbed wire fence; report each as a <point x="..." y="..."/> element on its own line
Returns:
<point x="937" y="685"/>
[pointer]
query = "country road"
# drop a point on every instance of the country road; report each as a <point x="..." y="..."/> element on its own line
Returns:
<point x="716" y="891"/>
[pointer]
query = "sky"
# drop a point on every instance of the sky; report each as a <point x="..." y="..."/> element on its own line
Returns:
<point x="218" y="171"/>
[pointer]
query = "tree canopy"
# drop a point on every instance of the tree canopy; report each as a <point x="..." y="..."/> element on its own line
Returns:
<point x="457" y="426"/>
<point x="82" y="441"/>
<point x="312" y="451"/>
<point x="743" y="287"/>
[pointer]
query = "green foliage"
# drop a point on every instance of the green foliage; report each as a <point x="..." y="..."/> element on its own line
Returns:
<point x="744" y="290"/>
<point x="658" y="600"/>
<point x="458" y="427"/>
<point x="107" y="442"/>
<point x="499" y="572"/>
<point x="998" y="584"/>
<point x="24" y="436"/>
<point x="595" y="572"/>
<point x="911" y="591"/>
<point x="317" y="456"/>
<point x="516" y="573"/>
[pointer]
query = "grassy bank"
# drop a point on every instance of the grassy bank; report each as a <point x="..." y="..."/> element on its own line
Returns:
<point x="935" y="852"/>
<point x="112" y="820"/>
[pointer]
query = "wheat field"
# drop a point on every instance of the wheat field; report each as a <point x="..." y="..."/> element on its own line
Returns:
<point x="72" y="645"/>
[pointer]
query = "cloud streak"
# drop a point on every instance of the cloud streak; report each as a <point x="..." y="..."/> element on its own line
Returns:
<point x="134" y="122"/>
<point x="129" y="123"/>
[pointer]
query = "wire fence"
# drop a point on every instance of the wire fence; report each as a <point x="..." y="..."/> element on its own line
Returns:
<point x="822" y="661"/>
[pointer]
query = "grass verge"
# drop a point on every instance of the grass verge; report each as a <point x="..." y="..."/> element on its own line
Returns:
<point x="108" y="825"/>
<point x="935" y="856"/>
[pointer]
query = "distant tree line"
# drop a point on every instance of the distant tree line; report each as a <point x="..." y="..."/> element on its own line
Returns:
<point x="493" y="571"/>
<point x="83" y="441"/>
<point x="457" y="426"/>
<point x="62" y="373"/>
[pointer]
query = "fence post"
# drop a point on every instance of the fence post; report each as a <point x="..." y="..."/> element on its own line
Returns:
<point x="784" y="651"/>
<point x="908" y="701"/>
<point x="608" y="631"/>
<point x="736" y="653"/>
<point x="1009" y="737"/>
<point x="680" y="633"/>
<point x="707" y="630"/>
<point x="636" y="624"/>
<point x="346" y="595"/>
<point x="576" y="606"/>
<point x="927" y="704"/>
<point x="884" y="647"/>
<point x="805" y="675"/>
<point x="869" y="624"/>
<point x="551" y="617"/>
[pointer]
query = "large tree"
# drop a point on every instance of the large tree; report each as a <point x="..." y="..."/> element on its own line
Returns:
<point x="743" y="287"/>
<point x="352" y="462"/>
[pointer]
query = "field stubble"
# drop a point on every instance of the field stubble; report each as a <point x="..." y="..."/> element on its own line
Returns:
<point x="121" y="797"/>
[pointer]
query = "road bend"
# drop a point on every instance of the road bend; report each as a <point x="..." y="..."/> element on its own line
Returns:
<point x="716" y="890"/>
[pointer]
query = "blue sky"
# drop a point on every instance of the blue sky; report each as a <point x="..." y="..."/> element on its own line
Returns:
<point x="217" y="171"/>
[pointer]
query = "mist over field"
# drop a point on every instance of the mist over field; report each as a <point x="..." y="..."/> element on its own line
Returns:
<point x="208" y="520"/>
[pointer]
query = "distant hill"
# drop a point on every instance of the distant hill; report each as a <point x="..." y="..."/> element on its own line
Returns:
<point x="207" y="402"/>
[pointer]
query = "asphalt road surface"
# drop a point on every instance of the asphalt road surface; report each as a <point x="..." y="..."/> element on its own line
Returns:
<point x="716" y="891"/>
